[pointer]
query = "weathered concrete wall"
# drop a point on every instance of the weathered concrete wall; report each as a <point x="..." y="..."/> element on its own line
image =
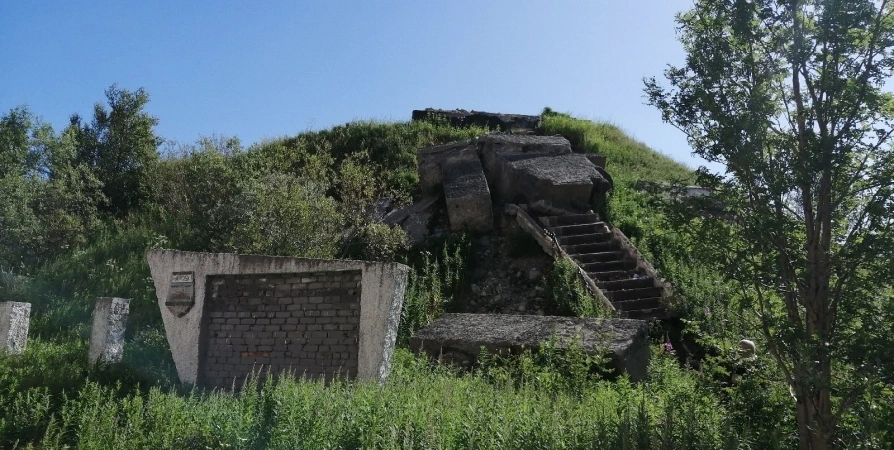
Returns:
<point x="107" y="333"/>
<point x="309" y="324"/>
<point x="186" y="276"/>
<point x="14" y="321"/>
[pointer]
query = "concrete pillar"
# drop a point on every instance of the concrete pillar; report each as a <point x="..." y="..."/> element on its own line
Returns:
<point x="109" y="323"/>
<point x="14" y="320"/>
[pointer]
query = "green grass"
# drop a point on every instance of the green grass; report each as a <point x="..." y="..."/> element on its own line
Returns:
<point x="627" y="160"/>
<point x="421" y="406"/>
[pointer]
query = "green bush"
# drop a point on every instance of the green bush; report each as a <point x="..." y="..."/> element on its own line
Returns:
<point x="377" y="242"/>
<point x="283" y="215"/>
<point x="566" y="294"/>
<point x="437" y="281"/>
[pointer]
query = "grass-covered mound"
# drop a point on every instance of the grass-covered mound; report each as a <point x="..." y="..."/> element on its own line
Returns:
<point x="309" y="195"/>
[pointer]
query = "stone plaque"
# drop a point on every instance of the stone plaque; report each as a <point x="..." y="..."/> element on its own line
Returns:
<point x="181" y="295"/>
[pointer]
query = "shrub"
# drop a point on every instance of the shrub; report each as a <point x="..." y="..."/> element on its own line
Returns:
<point x="377" y="242"/>
<point x="283" y="215"/>
<point x="566" y="294"/>
<point x="437" y="280"/>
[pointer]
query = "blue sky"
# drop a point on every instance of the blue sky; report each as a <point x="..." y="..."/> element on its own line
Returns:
<point x="268" y="69"/>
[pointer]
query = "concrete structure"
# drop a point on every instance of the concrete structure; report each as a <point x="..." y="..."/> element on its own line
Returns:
<point x="430" y="162"/>
<point x="226" y="314"/>
<point x="107" y="334"/>
<point x="524" y="169"/>
<point x="14" y="320"/>
<point x="468" y="197"/>
<point x="460" y="337"/>
<point x="463" y="118"/>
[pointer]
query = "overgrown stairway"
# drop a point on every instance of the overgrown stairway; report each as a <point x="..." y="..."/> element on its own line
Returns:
<point x="616" y="267"/>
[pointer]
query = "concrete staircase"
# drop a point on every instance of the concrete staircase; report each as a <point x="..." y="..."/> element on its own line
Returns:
<point x="619" y="271"/>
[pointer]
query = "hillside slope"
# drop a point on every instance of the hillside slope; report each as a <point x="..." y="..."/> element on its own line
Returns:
<point x="315" y="194"/>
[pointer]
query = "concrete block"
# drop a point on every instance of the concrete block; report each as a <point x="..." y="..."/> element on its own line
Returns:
<point x="430" y="161"/>
<point x="467" y="195"/>
<point x="107" y="334"/>
<point x="14" y="321"/>
<point x="461" y="336"/>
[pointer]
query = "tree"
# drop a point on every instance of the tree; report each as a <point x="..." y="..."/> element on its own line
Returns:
<point x="788" y="96"/>
<point x="120" y="146"/>
<point x="16" y="154"/>
<point x="48" y="202"/>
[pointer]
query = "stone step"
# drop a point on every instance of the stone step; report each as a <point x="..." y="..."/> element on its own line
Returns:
<point x="612" y="275"/>
<point x="646" y="314"/>
<point x="582" y="249"/>
<point x="622" y="264"/>
<point x="574" y="230"/>
<point x="638" y="304"/>
<point x="631" y="294"/>
<point x="593" y="238"/>
<point x="598" y="257"/>
<point x="630" y="283"/>
<point x="575" y="219"/>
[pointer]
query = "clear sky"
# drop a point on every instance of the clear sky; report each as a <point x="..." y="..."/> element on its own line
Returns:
<point x="265" y="69"/>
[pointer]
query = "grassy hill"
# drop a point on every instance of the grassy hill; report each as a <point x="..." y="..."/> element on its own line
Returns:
<point x="305" y="196"/>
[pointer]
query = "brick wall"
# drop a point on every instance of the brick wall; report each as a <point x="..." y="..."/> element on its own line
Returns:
<point x="307" y="322"/>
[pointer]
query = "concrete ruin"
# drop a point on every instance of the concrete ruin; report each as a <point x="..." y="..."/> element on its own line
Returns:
<point x="226" y="315"/>
<point x="507" y="169"/>
<point x="525" y="169"/>
<point x="460" y="338"/>
<point x="15" y="318"/>
<point x="107" y="334"/>
<point x="493" y="121"/>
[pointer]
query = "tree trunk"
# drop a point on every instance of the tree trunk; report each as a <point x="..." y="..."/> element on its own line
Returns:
<point x="814" y="409"/>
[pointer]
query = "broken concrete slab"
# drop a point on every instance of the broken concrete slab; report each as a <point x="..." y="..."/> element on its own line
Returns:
<point x="107" y="334"/>
<point x="468" y="197"/>
<point x="461" y="337"/>
<point x="566" y="180"/>
<point x="15" y="319"/>
<point x="398" y="216"/>
<point x="430" y="161"/>
<point x="494" y="145"/>
<point x="417" y="226"/>
<point x="463" y="118"/>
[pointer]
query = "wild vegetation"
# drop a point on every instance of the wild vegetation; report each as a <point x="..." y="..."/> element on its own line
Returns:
<point x="79" y="208"/>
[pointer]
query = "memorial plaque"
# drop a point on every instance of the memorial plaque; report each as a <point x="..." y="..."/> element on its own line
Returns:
<point x="181" y="295"/>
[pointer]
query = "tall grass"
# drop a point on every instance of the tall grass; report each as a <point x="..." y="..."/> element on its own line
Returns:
<point x="419" y="407"/>
<point x="627" y="160"/>
<point x="437" y="281"/>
